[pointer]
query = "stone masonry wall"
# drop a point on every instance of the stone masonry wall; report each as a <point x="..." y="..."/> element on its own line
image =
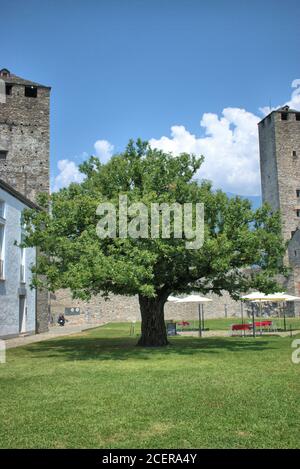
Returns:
<point x="126" y="308"/>
<point x="268" y="162"/>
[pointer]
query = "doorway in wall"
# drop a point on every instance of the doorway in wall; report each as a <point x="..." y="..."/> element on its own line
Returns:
<point x="22" y="314"/>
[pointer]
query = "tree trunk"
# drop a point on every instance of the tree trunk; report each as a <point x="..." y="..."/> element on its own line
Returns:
<point x="153" y="324"/>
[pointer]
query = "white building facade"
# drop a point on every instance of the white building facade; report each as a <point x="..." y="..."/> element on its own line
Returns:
<point x="17" y="299"/>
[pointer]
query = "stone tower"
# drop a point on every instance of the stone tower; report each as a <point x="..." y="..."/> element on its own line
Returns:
<point x="24" y="147"/>
<point x="279" y="144"/>
<point x="24" y="135"/>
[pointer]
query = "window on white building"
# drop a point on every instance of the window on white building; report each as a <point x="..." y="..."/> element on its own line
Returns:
<point x="2" y="227"/>
<point x="2" y="209"/>
<point x="23" y="254"/>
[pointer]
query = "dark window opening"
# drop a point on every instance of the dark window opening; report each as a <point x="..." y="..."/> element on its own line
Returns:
<point x="298" y="192"/>
<point x="294" y="153"/>
<point x="8" y="89"/>
<point x="298" y="116"/>
<point x="31" y="91"/>
<point x="3" y="154"/>
<point x="298" y="213"/>
<point x="284" y="116"/>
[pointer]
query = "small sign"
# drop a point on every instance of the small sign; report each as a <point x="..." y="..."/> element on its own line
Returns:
<point x="171" y="328"/>
<point x="72" y="311"/>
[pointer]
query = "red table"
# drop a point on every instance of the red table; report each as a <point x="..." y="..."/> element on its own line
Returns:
<point x="240" y="327"/>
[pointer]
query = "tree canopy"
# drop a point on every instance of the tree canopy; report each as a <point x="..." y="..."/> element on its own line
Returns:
<point x="236" y="238"/>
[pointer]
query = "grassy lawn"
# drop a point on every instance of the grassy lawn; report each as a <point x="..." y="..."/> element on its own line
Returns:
<point x="97" y="390"/>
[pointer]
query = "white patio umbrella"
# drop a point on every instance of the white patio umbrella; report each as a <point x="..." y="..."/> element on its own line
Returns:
<point x="194" y="299"/>
<point x="278" y="296"/>
<point x="255" y="297"/>
<point x="173" y="298"/>
<point x="199" y="300"/>
<point x="259" y="297"/>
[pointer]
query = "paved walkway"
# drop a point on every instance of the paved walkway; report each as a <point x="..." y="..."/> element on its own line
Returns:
<point x="54" y="331"/>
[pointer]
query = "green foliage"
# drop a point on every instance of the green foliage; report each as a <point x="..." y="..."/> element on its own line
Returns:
<point x="236" y="237"/>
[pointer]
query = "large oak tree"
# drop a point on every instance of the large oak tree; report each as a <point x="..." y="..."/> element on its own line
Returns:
<point x="235" y="237"/>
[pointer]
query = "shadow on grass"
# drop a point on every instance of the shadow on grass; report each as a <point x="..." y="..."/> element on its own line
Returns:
<point x="99" y="348"/>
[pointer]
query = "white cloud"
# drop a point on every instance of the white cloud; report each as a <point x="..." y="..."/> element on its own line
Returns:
<point x="230" y="148"/>
<point x="104" y="150"/>
<point x="229" y="145"/>
<point x="68" y="172"/>
<point x="294" y="102"/>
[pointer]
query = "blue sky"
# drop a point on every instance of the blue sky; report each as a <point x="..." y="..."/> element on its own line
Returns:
<point x="123" y="69"/>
